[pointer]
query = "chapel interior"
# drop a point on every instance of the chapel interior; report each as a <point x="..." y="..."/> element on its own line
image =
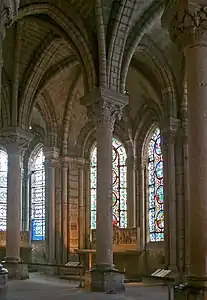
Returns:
<point x="103" y="130"/>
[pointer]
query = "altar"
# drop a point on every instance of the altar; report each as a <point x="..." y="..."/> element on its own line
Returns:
<point x="25" y="246"/>
<point x="126" y="251"/>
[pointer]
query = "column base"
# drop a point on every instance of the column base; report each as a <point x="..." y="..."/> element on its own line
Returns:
<point x="16" y="270"/>
<point x="3" y="283"/>
<point x="191" y="290"/>
<point x="104" y="280"/>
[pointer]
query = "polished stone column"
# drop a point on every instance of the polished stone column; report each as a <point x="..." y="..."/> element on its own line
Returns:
<point x="51" y="159"/>
<point x="105" y="106"/>
<point x="188" y="28"/>
<point x="14" y="141"/>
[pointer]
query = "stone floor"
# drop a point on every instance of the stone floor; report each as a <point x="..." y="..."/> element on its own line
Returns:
<point x="40" y="287"/>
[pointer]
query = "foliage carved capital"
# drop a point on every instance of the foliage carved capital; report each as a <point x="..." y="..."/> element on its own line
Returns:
<point x="8" y="9"/>
<point x="187" y="23"/>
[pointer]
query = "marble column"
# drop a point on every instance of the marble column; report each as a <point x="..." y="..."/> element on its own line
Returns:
<point x="51" y="159"/>
<point x="188" y="28"/>
<point x="14" y="141"/>
<point x="105" y="106"/>
<point x="169" y="132"/>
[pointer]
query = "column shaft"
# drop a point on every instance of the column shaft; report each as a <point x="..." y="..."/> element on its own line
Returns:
<point x="168" y="135"/>
<point x="65" y="211"/>
<point x="81" y="214"/>
<point x="104" y="234"/>
<point x="50" y="211"/>
<point x="13" y="205"/>
<point x="197" y="141"/>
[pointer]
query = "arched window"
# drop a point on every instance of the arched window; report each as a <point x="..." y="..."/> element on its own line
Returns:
<point x="37" y="187"/>
<point x="3" y="189"/>
<point x="155" y="188"/>
<point x="119" y="175"/>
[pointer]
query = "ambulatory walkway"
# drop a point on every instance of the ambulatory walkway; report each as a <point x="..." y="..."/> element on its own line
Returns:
<point x="40" y="287"/>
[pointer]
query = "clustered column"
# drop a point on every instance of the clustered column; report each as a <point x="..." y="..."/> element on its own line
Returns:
<point x="105" y="107"/>
<point x="188" y="28"/>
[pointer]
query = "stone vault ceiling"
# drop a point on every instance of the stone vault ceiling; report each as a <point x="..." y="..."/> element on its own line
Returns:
<point x="49" y="66"/>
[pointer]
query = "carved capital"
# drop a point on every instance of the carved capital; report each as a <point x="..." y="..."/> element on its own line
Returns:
<point x="105" y="114"/>
<point x="104" y="106"/>
<point x="15" y="140"/>
<point x="8" y="9"/>
<point x="51" y="157"/>
<point x="187" y="23"/>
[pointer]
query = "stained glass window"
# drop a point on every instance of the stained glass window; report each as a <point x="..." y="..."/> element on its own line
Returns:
<point x="3" y="189"/>
<point x="155" y="188"/>
<point x="38" y="197"/>
<point x="119" y="184"/>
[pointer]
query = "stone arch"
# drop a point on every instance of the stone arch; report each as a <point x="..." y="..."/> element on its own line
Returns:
<point x="67" y="26"/>
<point x="47" y="110"/>
<point x="163" y="74"/>
<point x="5" y="100"/>
<point x="87" y="138"/>
<point x="50" y="46"/>
<point x="67" y="112"/>
<point x="135" y="36"/>
<point x="120" y="31"/>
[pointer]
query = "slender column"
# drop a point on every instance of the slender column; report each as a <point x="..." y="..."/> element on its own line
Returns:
<point x="169" y="134"/>
<point x="87" y="204"/>
<point x="142" y="207"/>
<point x="51" y="156"/>
<point x="65" y="209"/>
<point x="81" y="214"/>
<point x="131" y="187"/>
<point x="188" y="27"/>
<point x="105" y="107"/>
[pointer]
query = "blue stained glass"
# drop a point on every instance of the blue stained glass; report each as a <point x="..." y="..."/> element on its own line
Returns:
<point x="119" y="184"/>
<point x="3" y="189"/>
<point x="155" y="188"/>
<point x="38" y="197"/>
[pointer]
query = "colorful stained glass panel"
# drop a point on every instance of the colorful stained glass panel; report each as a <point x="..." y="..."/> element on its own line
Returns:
<point x="155" y="188"/>
<point x="38" y="197"/>
<point x="3" y="189"/>
<point x="119" y="184"/>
